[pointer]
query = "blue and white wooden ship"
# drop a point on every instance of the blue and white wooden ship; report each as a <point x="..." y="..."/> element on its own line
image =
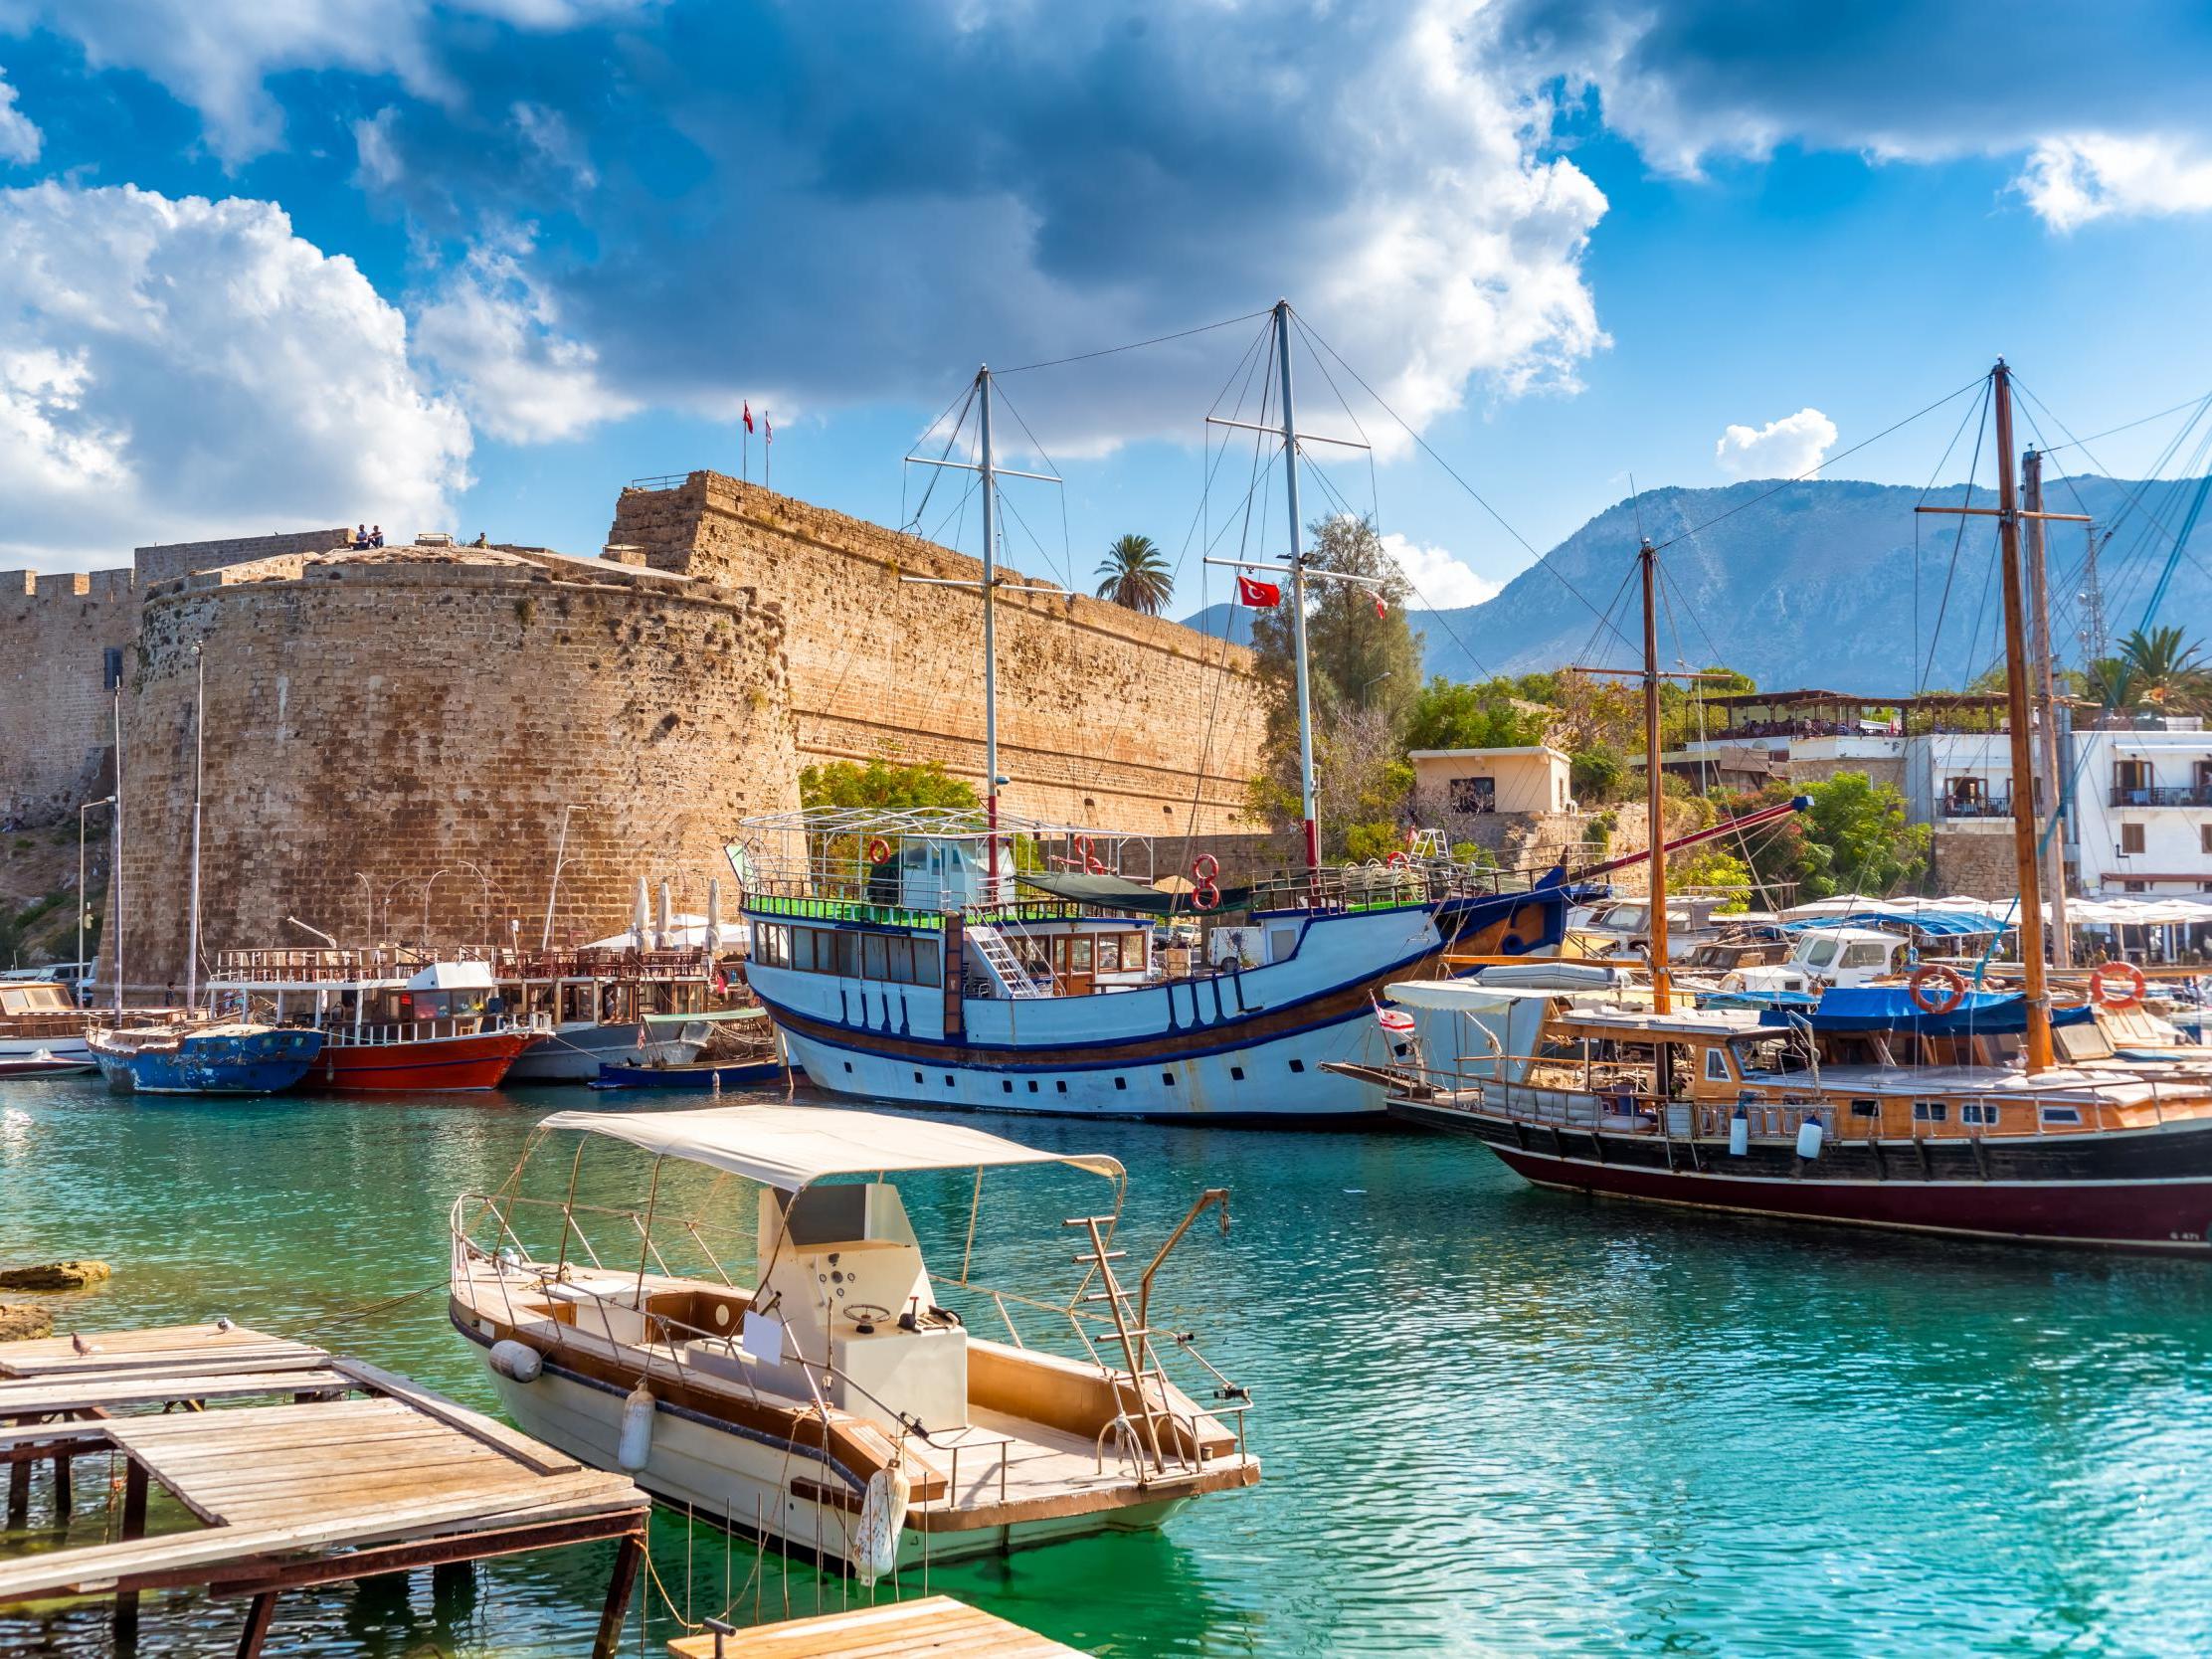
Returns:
<point x="227" y="1058"/>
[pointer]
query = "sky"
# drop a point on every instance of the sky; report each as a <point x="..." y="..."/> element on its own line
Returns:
<point x="472" y="264"/>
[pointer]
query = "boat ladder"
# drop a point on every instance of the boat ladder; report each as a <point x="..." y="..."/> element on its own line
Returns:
<point x="994" y="949"/>
<point x="1143" y="1373"/>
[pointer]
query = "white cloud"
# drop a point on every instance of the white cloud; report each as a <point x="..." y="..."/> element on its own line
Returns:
<point x="1779" y="450"/>
<point x="178" y="368"/>
<point x="20" y="140"/>
<point x="2072" y="180"/>
<point x="498" y="336"/>
<point x="378" y="157"/>
<point x="544" y="130"/>
<point x="1440" y="580"/>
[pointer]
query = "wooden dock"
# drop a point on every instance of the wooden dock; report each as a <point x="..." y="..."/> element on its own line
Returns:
<point x="928" y="1625"/>
<point x="356" y="1473"/>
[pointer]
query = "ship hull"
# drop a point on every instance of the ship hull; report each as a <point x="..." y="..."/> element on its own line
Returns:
<point x="433" y="1065"/>
<point x="575" y="1054"/>
<point x="2138" y="1190"/>
<point x="267" y="1062"/>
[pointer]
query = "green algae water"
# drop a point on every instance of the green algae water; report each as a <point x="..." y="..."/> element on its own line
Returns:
<point x="1493" y="1419"/>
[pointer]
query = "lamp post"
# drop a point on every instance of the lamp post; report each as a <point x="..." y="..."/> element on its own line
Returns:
<point x="477" y="871"/>
<point x="84" y="908"/>
<point x="427" y="886"/>
<point x="560" y="858"/>
<point x="1371" y="684"/>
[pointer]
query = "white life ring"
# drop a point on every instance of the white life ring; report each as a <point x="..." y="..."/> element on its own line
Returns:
<point x="875" y="1536"/>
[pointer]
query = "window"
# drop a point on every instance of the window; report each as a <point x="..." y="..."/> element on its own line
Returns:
<point x="1006" y="1084"/>
<point x="1298" y="1065"/>
<point x="875" y="956"/>
<point x="1032" y="1086"/>
<point x="1867" y="955"/>
<point x="1472" y="794"/>
<point x="1121" y="1082"/>
<point x="2061" y="1114"/>
<point x="1821" y="953"/>
<point x="949" y="1083"/>
<point x="1930" y="1111"/>
<point x="803" y="949"/>
<point x="1866" y="1108"/>
<point x="2131" y="838"/>
<point x="2131" y="783"/>
<point x="1060" y="1085"/>
<point x="111" y="668"/>
<point x="849" y="1065"/>
<point x="1109" y="954"/>
<point x="902" y="961"/>
<point x="1974" y="1111"/>
<point x="1282" y="944"/>
<point x="2206" y="834"/>
<point x="1717" y="1065"/>
<point x="1236" y="1075"/>
<point x="929" y="962"/>
<point x="917" y="1077"/>
<point x="1168" y="1078"/>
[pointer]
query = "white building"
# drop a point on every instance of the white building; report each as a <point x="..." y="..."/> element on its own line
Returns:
<point x="2143" y="808"/>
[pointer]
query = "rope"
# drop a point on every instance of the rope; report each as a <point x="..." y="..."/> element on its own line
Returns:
<point x="1133" y="345"/>
<point x="369" y="1309"/>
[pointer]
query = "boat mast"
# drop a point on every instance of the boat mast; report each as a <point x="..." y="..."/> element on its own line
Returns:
<point x="116" y="857"/>
<point x="2046" y="705"/>
<point x="1307" y="806"/>
<point x="1654" y="797"/>
<point x="990" y="638"/>
<point x="198" y="767"/>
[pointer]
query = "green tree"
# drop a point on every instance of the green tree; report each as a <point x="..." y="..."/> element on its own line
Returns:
<point x="1597" y="775"/>
<point x="1135" y="574"/>
<point x="1713" y="866"/>
<point x="1855" y="839"/>
<point x="2165" y="668"/>
<point x="883" y="784"/>
<point x="1474" y="717"/>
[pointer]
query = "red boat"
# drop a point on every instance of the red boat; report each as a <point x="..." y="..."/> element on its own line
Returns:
<point x="389" y="1026"/>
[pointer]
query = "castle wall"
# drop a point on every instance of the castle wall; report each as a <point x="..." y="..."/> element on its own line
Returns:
<point x="170" y="560"/>
<point x="55" y="708"/>
<point x="1105" y="716"/>
<point x="378" y="723"/>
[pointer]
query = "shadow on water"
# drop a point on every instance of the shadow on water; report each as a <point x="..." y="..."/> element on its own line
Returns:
<point x="1494" y="1420"/>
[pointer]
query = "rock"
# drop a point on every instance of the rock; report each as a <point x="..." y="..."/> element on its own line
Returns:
<point x="54" y="1275"/>
<point x="22" y="1322"/>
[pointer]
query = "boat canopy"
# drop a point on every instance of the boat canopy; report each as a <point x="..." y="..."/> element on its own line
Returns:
<point x="791" y="1147"/>
<point x="1114" y="893"/>
<point x="453" y="976"/>
<point x="1890" y="1007"/>
<point x="1942" y="923"/>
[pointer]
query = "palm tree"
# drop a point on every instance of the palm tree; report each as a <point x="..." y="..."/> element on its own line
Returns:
<point x="1134" y="574"/>
<point x="2163" y="669"/>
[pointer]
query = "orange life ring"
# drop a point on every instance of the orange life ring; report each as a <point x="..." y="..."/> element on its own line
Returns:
<point x="1954" y="984"/>
<point x="1086" y="857"/>
<point x="1205" y="895"/>
<point x="1398" y="861"/>
<point x="2128" y="975"/>
<point x="1205" y="867"/>
<point x="879" y="852"/>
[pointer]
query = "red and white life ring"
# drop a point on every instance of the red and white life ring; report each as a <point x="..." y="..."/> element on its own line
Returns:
<point x="1952" y="982"/>
<point x="1205" y="895"/>
<point x="879" y="852"/>
<point x="1086" y="857"/>
<point x="1205" y="867"/>
<point x="2130" y="976"/>
<point x="1398" y="861"/>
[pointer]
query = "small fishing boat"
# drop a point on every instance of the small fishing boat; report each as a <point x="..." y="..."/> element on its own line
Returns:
<point x="828" y="1399"/>
<point x="232" y="1057"/>
<point x="706" y="1076"/>
<point x="388" y="1027"/>
<point x="43" y="1062"/>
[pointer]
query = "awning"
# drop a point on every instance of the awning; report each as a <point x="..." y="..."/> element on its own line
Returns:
<point x="1890" y="1007"/>
<point x="1942" y="923"/>
<point x="1112" y="892"/>
<point x="789" y="1146"/>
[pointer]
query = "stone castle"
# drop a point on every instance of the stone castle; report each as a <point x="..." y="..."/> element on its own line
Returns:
<point x="396" y="736"/>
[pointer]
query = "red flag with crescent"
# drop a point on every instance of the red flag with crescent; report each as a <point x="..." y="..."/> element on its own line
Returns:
<point x="748" y="415"/>
<point x="1261" y="596"/>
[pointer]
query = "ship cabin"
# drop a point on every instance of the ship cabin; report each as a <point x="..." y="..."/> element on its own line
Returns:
<point x="39" y="1009"/>
<point x="1866" y="1065"/>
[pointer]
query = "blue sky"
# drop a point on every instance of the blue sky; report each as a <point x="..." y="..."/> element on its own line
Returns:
<point x="472" y="264"/>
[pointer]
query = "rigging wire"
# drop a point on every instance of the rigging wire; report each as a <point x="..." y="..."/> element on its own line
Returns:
<point x="1133" y="345"/>
<point x="1988" y="383"/>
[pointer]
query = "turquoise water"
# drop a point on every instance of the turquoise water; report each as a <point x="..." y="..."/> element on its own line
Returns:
<point x="1495" y="1420"/>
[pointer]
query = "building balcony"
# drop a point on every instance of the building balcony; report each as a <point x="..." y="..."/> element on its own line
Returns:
<point x="2163" y="795"/>
<point x="1973" y="807"/>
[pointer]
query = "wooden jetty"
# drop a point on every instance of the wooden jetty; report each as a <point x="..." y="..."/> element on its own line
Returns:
<point x="357" y="1473"/>
<point x="929" y="1625"/>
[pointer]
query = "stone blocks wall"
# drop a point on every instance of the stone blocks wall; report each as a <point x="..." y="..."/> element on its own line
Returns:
<point x="178" y="558"/>
<point x="56" y="710"/>
<point x="1976" y="862"/>
<point x="385" y="726"/>
<point x="1105" y="716"/>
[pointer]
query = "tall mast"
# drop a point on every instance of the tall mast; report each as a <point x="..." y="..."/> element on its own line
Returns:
<point x="2046" y="706"/>
<point x="990" y="637"/>
<point x="198" y="767"/>
<point x="1655" y="818"/>
<point x="2023" y="755"/>
<point x="1307" y="805"/>
<point x="115" y="856"/>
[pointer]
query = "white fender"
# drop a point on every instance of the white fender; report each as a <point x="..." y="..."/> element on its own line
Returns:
<point x="1809" y="1139"/>
<point x="1740" y="1133"/>
<point x="875" y="1536"/>
<point x="516" y="1360"/>
<point x="635" y="1444"/>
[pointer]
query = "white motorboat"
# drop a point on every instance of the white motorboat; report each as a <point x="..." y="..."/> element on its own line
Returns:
<point x="826" y="1398"/>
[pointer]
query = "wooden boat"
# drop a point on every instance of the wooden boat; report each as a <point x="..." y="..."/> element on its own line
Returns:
<point x="41" y="1062"/>
<point x="1927" y="1105"/>
<point x="831" y="1401"/>
<point x="219" y="1057"/>
<point x="388" y="1027"/>
<point x="699" y="1077"/>
<point x="38" y="1017"/>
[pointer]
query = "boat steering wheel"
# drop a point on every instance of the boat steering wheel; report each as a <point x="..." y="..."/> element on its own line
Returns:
<point x="866" y="1315"/>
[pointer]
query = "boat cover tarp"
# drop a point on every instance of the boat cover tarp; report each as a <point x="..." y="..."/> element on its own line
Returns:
<point x="1113" y="892"/>
<point x="1890" y="1007"/>
<point x="789" y="1146"/>
<point x="1947" y="923"/>
<point x="1465" y="1027"/>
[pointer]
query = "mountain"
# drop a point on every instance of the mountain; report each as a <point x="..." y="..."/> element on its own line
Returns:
<point x="1811" y="584"/>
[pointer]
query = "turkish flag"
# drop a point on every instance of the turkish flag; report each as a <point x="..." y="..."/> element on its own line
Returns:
<point x="1261" y="596"/>
<point x="748" y="415"/>
<point x="1381" y="606"/>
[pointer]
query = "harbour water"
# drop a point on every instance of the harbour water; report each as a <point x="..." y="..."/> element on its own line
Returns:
<point x="1494" y="1420"/>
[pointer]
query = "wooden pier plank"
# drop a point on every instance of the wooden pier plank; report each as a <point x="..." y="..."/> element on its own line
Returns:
<point x="42" y="1396"/>
<point x="473" y="1424"/>
<point x="168" y="1341"/>
<point x="935" y="1626"/>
